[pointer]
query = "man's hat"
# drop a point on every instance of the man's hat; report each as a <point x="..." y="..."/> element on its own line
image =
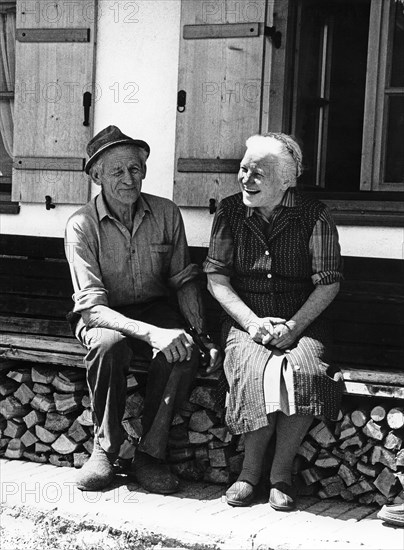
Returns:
<point x="109" y="137"/>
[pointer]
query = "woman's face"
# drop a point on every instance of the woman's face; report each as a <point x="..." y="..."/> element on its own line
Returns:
<point x="263" y="178"/>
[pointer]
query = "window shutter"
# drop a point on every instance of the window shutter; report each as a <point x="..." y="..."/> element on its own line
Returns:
<point x="54" y="71"/>
<point x="223" y="94"/>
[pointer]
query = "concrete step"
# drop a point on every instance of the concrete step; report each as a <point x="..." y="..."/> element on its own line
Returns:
<point x="196" y="515"/>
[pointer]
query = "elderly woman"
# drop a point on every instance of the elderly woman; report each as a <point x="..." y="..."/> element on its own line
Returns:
<point x="274" y="266"/>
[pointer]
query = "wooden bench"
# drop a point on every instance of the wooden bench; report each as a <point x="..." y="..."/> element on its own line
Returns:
<point x="367" y="316"/>
<point x="368" y="327"/>
<point x="35" y="296"/>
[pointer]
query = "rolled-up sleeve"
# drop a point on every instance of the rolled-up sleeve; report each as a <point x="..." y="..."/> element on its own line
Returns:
<point x="220" y="255"/>
<point x="88" y="285"/>
<point x="325" y="251"/>
<point x="181" y="268"/>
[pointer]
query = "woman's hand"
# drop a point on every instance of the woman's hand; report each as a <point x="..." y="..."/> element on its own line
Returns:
<point x="263" y="329"/>
<point x="285" y="335"/>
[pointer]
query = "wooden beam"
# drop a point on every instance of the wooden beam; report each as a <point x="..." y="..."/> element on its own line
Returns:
<point x="373" y="356"/>
<point x="374" y="390"/>
<point x="64" y="164"/>
<point x="35" y="356"/>
<point x="42" y="343"/>
<point x="47" y="286"/>
<point x="9" y="207"/>
<point x="22" y="325"/>
<point x="57" y="358"/>
<point x="369" y="218"/>
<point x="35" y="269"/>
<point x="31" y="246"/>
<point x="362" y="311"/>
<point x="373" y="376"/>
<point x="226" y="30"/>
<point x="40" y="307"/>
<point x="220" y="166"/>
<point x="53" y="35"/>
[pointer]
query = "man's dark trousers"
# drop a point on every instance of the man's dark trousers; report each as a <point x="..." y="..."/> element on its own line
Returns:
<point x="108" y="361"/>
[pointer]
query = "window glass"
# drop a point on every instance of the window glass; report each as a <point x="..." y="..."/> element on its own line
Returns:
<point x="394" y="164"/>
<point x="397" y="65"/>
<point x="394" y="136"/>
<point x="329" y="91"/>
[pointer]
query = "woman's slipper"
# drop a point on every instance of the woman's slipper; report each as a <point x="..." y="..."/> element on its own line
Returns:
<point x="241" y="493"/>
<point x="282" y="496"/>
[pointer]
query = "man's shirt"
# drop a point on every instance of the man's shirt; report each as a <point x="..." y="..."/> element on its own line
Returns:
<point x="111" y="266"/>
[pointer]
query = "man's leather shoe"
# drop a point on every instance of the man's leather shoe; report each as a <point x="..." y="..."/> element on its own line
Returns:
<point x="282" y="496"/>
<point x="98" y="472"/>
<point x="241" y="493"/>
<point x="392" y="513"/>
<point x="153" y="475"/>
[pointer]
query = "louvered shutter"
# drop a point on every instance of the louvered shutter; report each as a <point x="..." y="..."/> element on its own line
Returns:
<point x="54" y="77"/>
<point x="223" y="85"/>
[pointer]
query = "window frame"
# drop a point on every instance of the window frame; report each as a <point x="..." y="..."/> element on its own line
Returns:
<point x="376" y="203"/>
<point x="377" y="95"/>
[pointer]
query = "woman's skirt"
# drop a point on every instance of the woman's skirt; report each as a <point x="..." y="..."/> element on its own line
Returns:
<point x="263" y="379"/>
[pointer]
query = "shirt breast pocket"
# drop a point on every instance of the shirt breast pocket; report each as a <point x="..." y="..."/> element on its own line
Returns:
<point x="161" y="257"/>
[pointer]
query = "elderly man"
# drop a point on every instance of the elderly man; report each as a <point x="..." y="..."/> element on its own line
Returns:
<point x="127" y="250"/>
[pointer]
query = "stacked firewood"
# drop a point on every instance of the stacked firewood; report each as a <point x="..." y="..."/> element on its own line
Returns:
<point x="45" y="416"/>
<point x="41" y="410"/>
<point x="360" y="457"/>
<point x="200" y="446"/>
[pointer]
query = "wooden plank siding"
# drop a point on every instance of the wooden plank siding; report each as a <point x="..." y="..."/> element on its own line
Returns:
<point x="367" y="316"/>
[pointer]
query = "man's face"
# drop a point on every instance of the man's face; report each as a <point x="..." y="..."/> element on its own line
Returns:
<point x="262" y="178"/>
<point x="123" y="169"/>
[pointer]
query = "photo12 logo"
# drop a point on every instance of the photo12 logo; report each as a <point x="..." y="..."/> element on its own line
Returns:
<point x="232" y="92"/>
<point x="55" y="491"/>
<point x="242" y="11"/>
<point x="71" y="12"/>
<point x="73" y="92"/>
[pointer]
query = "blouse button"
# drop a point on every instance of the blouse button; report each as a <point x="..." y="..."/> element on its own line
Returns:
<point x="269" y="276"/>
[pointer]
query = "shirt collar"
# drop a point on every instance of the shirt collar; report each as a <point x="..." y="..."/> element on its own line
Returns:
<point x="288" y="201"/>
<point x="103" y="210"/>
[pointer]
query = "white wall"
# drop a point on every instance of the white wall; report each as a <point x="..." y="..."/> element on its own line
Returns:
<point x="140" y="61"/>
<point x="374" y="242"/>
<point x="136" y="75"/>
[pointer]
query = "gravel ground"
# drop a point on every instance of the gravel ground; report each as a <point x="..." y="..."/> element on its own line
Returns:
<point x="23" y="529"/>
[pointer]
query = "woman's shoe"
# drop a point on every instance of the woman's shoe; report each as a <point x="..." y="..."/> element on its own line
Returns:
<point x="241" y="493"/>
<point x="393" y="514"/>
<point x="282" y="496"/>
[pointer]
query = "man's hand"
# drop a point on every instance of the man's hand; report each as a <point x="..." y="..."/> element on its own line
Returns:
<point x="175" y="343"/>
<point x="262" y="330"/>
